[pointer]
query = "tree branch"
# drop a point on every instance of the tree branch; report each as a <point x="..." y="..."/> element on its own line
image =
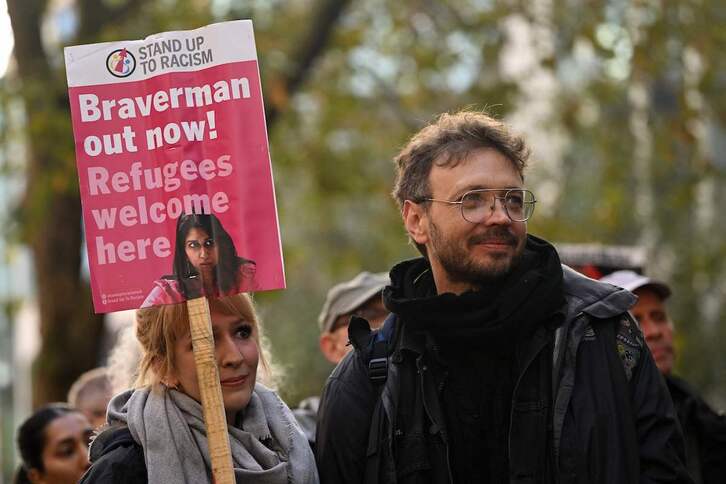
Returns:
<point x="322" y="25"/>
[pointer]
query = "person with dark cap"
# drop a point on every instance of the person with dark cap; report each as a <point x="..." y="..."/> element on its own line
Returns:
<point x="502" y="366"/>
<point x="703" y="429"/>
<point x="361" y="296"/>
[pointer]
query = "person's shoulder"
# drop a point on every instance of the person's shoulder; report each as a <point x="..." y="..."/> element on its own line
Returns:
<point x="309" y="405"/>
<point x="595" y="298"/>
<point x="606" y="323"/>
<point x="348" y="390"/>
<point x="167" y="282"/>
<point x="120" y="466"/>
<point x="685" y="396"/>
<point x="678" y="387"/>
<point x="351" y="370"/>
<point x="346" y="407"/>
<point x="109" y="437"/>
<point x="247" y="266"/>
<point x="306" y="414"/>
<point x="116" y="458"/>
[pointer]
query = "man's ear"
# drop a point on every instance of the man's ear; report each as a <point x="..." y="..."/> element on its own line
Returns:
<point x="415" y="218"/>
<point x="331" y="348"/>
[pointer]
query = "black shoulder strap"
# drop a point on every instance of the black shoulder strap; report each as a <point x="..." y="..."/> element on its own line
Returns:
<point x="375" y="347"/>
<point x="382" y="347"/>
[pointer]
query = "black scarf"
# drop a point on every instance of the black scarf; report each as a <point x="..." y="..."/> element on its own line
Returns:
<point x="498" y="313"/>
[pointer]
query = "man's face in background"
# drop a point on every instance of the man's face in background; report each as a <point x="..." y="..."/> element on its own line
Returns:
<point x="650" y="311"/>
<point x="334" y="343"/>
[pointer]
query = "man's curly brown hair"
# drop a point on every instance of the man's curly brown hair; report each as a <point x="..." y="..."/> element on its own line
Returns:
<point x="446" y="142"/>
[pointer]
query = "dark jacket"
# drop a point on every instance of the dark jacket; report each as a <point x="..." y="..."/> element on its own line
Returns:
<point x="610" y="419"/>
<point x="116" y="459"/>
<point x="704" y="431"/>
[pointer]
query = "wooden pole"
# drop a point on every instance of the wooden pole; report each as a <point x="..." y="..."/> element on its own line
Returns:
<point x="200" y="326"/>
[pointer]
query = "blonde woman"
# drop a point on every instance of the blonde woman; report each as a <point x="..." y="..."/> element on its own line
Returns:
<point x="157" y="431"/>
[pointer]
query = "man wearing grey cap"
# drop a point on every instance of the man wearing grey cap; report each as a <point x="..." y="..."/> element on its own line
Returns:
<point x="703" y="429"/>
<point x="361" y="296"/>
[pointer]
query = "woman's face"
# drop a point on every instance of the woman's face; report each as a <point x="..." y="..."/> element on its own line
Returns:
<point x="65" y="454"/>
<point x="201" y="251"/>
<point x="237" y="356"/>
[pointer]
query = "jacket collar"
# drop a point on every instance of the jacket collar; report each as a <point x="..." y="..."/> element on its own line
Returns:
<point x="582" y="295"/>
<point x="597" y="299"/>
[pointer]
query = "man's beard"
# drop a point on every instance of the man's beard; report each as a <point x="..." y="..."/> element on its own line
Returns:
<point x="460" y="266"/>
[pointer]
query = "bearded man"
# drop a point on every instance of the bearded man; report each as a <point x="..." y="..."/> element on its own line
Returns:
<point x="502" y="365"/>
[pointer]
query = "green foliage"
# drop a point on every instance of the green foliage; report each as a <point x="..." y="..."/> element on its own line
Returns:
<point x="609" y="166"/>
<point x="621" y="101"/>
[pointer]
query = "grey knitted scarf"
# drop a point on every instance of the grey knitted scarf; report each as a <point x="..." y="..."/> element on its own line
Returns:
<point x="267" y="445"/>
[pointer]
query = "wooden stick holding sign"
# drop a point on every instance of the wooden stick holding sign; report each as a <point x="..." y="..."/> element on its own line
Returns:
<point x="200" y="327"/>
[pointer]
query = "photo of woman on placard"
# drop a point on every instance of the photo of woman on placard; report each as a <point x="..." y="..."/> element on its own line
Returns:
<point x="205" y="264"/>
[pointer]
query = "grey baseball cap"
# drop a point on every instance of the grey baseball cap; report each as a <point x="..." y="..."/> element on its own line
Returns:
<point x="631" y="281"/>
<point x="347" y="296"/>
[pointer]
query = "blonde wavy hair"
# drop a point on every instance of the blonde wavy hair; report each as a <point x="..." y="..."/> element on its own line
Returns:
<point x="159" y="327"/>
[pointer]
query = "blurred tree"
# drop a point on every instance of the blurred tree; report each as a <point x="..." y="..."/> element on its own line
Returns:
<point x="50" y="213"/>
<point x="620" y="102"/>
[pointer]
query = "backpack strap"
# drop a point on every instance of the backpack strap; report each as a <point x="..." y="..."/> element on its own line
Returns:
<point x="380" y="355"/>
<point x="375" y="347"/>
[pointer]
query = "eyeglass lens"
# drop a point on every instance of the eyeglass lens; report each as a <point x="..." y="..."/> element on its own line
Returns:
<point x="477" y="206"/>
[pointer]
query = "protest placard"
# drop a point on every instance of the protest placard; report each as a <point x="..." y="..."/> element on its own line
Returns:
<point x="176" y="183"/>
<point x="167" y="127"/>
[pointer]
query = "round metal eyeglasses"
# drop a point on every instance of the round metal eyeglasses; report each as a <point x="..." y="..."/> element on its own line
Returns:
<point x="478" y="205"/>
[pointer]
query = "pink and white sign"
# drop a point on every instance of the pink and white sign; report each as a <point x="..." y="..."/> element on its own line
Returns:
<point x="174" y="167"/>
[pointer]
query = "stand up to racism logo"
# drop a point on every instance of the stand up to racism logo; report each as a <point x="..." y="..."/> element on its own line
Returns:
<point x="121" y="63"/>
